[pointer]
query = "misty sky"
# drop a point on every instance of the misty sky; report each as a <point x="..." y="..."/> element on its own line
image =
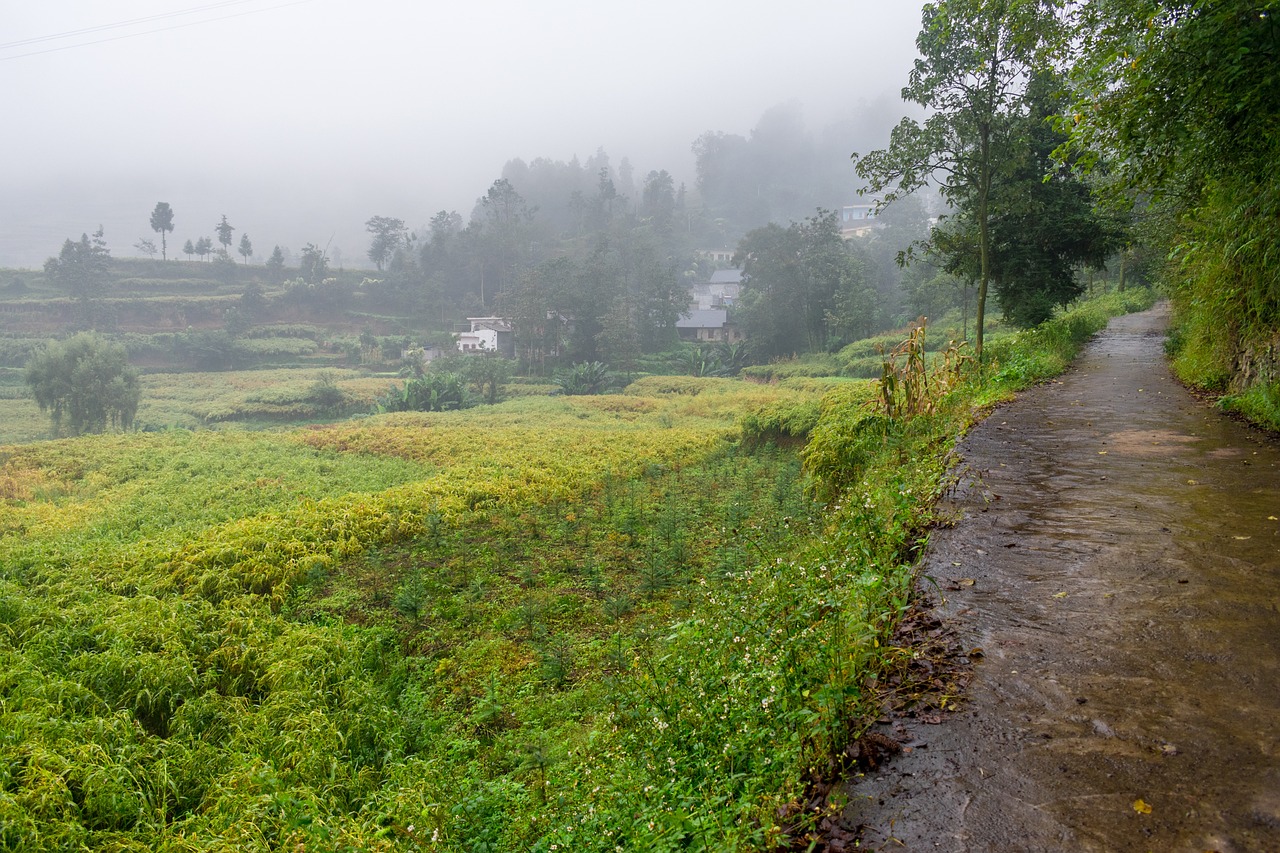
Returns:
<point x="300" y="120"/>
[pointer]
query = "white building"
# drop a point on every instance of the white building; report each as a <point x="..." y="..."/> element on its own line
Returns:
<point x="487" y="334"/>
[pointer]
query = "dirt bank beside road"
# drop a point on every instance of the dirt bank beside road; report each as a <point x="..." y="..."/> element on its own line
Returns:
<point x="1117" y="559"/>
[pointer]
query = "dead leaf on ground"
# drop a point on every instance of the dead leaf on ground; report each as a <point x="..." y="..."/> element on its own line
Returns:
<point x="1141" y="807"/>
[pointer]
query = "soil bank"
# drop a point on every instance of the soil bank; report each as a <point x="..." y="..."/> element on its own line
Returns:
<point x="1116" y="557"/>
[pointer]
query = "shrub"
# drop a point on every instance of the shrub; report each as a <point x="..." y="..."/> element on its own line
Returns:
<point x="432" y="392"/>
<point x="588" y="377"/>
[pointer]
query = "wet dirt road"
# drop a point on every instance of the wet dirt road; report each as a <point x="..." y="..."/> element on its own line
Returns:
<point x="1117" y="559"/>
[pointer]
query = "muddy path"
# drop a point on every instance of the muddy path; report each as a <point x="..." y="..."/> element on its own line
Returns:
<point x="1117" y="559"/>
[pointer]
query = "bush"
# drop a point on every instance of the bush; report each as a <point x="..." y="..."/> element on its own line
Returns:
<point x="588" y="377"/>
<point x="432" y="392"/>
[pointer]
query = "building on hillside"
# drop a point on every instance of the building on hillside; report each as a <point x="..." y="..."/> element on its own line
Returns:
<point x="707" y="326"/>
<point x="716" y="256"/>
<point x="721" y="291"/>
<point x="488" y="334"/>
<point x="857" y="220"/>
<point x="424" y="355"/>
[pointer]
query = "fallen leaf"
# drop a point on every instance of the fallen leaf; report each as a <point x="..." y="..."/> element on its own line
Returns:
<point x="1168" y="749"/>
<point x="1059" y="595"/>
<point x="1241" y="537"/>
<point x="1102" y="453"/>
<point x="1272" y="518"/>
<point x="1141" y="807"/>
<point x="966" y="582"/>
<point x="1193" y="482"/>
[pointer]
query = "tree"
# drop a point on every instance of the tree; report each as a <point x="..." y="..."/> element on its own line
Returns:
<point x="504" y="239"/>
<point x="659" y="197"/>
<point x="791" y="279"/>
<point x="1176" y="92"/>
<point x="975" y="57"/>
<point x="487" y="372"/>
<point x="246" y="247"/>
<point x="313" y="266"/>
<point x="1177" y="102"/>
<point x="388" y="235"/>
<point x="204" y="247"/>
<point x="275" y="265"/>
<point x="86" y="382"/>
<point x="188" y="249"/>
<point x="1047" y="226"/>
<point x="618" y="339"/>
<point x="162" y="223"/>
<point x="146" y="246"/>
<point x="81" y="267"/>
<point x="224" y="230"/>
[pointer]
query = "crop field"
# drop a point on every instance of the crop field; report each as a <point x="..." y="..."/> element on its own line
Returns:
<point x="575" y="622"/>
<point x="253" y="397"/>
<point x="247" y="398"/>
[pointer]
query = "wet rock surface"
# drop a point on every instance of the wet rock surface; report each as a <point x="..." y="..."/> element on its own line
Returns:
<point x="1116" y="557"/>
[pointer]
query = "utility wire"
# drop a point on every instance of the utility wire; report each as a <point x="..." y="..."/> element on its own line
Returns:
<point x="118" y="24"/>
<point x="143" y="32"/>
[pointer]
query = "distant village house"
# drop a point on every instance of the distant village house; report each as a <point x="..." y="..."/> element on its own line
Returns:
<point x="488" y="334"/>
<point x="857" y="220"/>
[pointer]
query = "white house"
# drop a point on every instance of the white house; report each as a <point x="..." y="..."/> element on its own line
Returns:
<point x="487" y="334"/>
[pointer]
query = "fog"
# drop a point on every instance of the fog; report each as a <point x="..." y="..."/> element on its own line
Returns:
<point x="300" y="120"/>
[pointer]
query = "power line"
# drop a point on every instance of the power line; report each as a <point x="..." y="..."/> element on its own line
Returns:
<point x="143" y="32"/>
<point x="118" y="24"/>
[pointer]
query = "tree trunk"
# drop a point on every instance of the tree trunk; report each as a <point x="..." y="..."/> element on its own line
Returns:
<point x="984" y="239"/>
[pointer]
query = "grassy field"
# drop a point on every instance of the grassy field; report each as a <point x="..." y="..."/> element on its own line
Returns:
<point x="235" y="398"/>
<point x="637" y="621"/>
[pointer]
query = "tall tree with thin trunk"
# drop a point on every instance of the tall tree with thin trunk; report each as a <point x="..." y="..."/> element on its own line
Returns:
<point x="975" y="60"/>
<point x="162" y="223"/>
<point x="224" y="229"/>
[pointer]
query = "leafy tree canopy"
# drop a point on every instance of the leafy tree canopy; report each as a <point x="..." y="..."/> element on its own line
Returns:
<point x="84" y="383"/>
<point x="388" y="236"/>
<point x="81" y="267"/>
<point x="975" y="58"/>
<point x="162" y="224"/>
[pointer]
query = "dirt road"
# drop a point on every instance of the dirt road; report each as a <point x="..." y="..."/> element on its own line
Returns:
<point x="1117" y="559"/>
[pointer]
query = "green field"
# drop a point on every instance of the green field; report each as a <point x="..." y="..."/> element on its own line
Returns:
<point x="573" y="623"/>
<point x="474" y="624"/>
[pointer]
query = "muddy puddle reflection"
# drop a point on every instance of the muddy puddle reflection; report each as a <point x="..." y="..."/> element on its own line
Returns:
<point x="1123" y="544"/>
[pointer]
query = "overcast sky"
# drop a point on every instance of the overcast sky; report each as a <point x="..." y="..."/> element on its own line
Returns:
<point x="300" y="120"/>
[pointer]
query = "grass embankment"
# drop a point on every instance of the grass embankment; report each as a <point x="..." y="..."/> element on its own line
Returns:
<point x="1224" y="285"/>
<point x="576" y="624"/>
